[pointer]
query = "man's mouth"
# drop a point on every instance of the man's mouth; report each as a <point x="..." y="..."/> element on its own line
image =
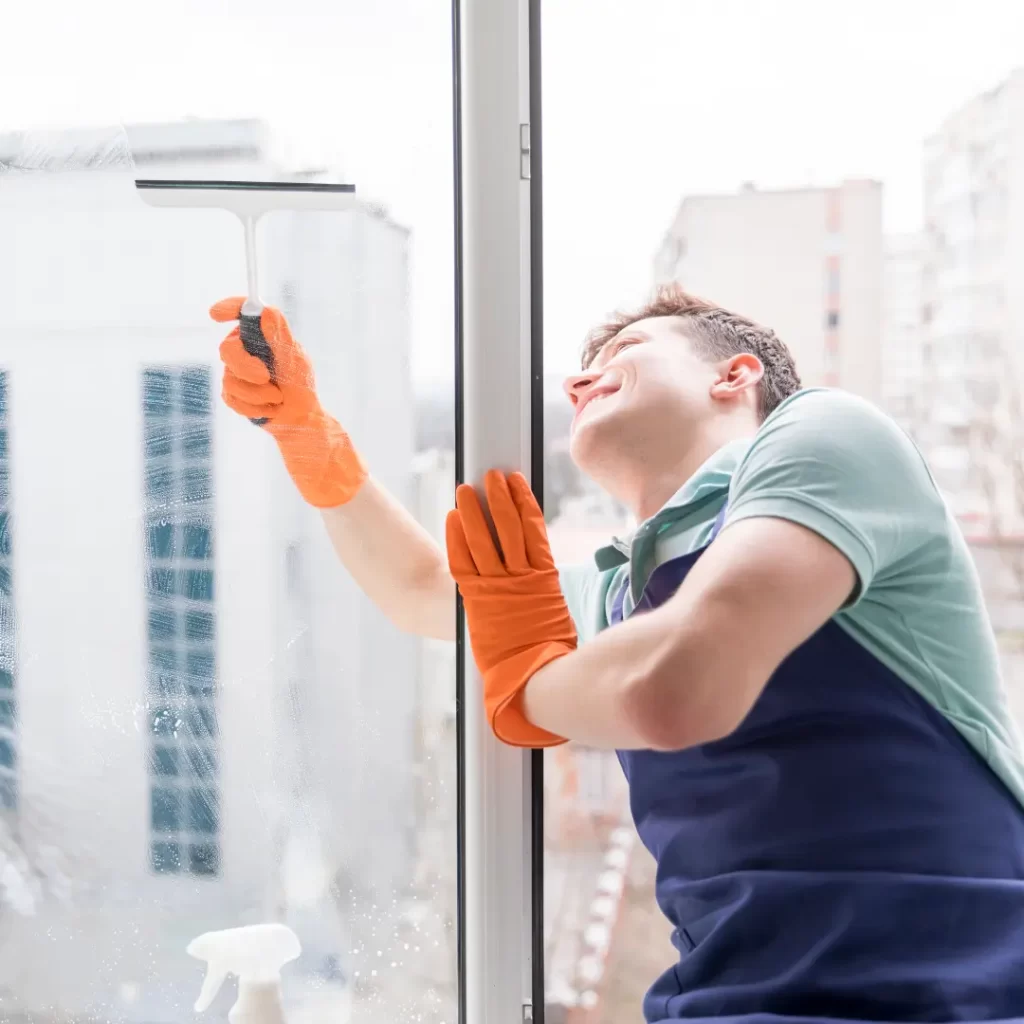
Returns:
<point x="597" y="394"/>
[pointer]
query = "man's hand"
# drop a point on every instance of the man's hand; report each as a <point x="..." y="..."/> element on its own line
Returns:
<point x="317" y="452"/>
<point x="517" y="617"/>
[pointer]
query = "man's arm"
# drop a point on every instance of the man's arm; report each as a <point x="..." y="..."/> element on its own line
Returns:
<point x="394" y="561"/>
<point x="831" y="499"/>
<point x="690" y="671"/>
<point x="830" y="502"/>
<point x="391" y="557"/>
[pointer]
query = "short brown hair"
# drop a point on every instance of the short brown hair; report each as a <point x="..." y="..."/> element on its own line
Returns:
<point x="716" y="334"/>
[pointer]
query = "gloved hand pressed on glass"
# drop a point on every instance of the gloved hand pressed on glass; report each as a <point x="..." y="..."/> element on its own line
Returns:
<point x="317" y="452"/>
<point x="517" y="617"/>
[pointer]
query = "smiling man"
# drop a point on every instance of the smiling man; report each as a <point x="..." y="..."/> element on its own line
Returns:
<point x="790" y="654"/>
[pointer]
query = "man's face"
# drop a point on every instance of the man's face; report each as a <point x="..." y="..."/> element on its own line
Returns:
<point x="646" y="392"/>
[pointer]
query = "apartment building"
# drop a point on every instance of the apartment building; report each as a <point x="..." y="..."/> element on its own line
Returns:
<point x="805" y="262"/>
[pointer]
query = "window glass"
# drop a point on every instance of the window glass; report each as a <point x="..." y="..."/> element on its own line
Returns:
<point x="204" y="724"/>
<point x="834" y="192"/>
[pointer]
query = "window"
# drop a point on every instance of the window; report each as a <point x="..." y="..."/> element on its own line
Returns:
<point x="832" y="280"/>
<point x="181" y="697"/>
<point x="803" y="254"/>
<point x="8" y="649"/>
<point x="215" y="727"/>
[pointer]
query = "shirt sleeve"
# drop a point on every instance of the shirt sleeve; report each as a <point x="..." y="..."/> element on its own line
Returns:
<point x="572" y="579"/>
<point x="585" y="590"/>
<point x="833" y="463"/>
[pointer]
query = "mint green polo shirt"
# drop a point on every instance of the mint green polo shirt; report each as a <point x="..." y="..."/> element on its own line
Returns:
<point x="833" y="463"/>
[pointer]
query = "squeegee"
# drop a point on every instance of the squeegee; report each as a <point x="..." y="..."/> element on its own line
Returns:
<point x="249" y="200"/>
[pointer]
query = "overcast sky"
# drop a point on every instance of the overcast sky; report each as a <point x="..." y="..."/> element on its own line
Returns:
<point x="645" y="101"/>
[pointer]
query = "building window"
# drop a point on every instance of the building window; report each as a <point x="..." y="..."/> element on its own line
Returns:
<point x="832" y="276"/>
<point x="181" y="618"/>
<point x="8" y="702"/>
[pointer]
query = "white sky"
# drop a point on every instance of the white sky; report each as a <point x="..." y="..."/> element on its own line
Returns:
<point x="645" y="100"/>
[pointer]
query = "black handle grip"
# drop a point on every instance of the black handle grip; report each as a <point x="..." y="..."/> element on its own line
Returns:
<point x="256" y="345"/>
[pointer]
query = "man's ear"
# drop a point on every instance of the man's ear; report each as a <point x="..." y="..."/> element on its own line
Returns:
<point x="737" y="374"/>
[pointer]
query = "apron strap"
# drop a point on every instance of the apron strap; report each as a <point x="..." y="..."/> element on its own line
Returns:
<point x="719" y="522"/>
<point x="619" y="600"/>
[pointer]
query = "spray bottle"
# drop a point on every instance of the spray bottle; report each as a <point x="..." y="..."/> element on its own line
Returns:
<point x="255" y="955"/>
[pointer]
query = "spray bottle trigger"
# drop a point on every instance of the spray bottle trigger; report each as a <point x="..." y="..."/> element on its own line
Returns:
<point x="215" y="975"/>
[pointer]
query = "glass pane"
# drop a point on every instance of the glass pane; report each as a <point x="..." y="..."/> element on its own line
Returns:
<point x="166" y="815"/>
<point x="199" y="626"/>
<point x="204" y="724"/>
<point x="161" y="541"/>
<point x="161" y="625"/>
<point x="165" y="760"/>
<point x="197" y="541"/>
<point x="165" y="857"/>
<point x="850" y="188"/>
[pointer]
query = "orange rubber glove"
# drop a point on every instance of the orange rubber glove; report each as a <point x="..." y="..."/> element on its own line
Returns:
<point x="518" y="619"/>
<point x="317" y="452"/>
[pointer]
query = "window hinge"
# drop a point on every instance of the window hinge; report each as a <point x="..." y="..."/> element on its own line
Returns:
<point x="527" y="1012"/>
<point x="524" y="152"/>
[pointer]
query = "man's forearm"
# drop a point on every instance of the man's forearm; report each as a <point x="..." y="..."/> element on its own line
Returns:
<point x="601" y="694"/>
<point x="689" y="672"/>
<point x="394" y="561"/>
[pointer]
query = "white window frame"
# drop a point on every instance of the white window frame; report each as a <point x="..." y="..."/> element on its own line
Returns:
<point x="498" y="277"/>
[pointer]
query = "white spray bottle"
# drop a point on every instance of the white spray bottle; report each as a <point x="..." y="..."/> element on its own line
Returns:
<point x="255" y="955"/>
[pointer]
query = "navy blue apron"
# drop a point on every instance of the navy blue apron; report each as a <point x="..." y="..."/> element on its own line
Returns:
<point x="843" y="855"/>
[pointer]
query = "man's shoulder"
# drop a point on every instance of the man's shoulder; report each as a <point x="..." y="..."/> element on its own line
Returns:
<point x="835" y="464"/>
<point x="823" y="411"/>
<point x="840" y="442"/>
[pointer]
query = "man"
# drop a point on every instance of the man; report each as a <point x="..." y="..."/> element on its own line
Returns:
<point x="790" y="654"/>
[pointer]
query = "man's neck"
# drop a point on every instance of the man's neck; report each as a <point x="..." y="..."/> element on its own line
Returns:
<point x="655" y="491"/>
<point x="655" y="485"/>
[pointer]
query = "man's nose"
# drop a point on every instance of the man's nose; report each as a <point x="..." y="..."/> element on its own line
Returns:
<point x="575" y="385"/>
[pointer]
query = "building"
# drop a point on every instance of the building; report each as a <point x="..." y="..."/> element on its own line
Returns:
<point x="202" y="722"/>
<point x="973" y="307"/>
<point x="902" y="334"/>
<point x="805" y="262"/>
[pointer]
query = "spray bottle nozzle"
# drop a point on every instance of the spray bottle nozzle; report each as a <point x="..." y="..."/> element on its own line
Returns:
<point x="255" y="954"/>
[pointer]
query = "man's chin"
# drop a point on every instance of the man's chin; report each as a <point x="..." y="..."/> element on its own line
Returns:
<point x="589" y="442"/>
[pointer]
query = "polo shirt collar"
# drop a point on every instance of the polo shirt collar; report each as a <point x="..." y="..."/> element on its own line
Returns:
<point x="710" y="481"/>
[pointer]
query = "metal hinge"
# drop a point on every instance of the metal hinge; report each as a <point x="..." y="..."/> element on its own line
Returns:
<point x="524" y="152"/>
<point x="527" y="1012"/>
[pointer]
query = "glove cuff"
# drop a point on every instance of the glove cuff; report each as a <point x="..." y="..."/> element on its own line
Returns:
<point x="321" y="459"/>
<point x="503" y="691"/>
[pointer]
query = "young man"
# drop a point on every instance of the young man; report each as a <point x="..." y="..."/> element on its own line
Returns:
<point x="790" y="654"/>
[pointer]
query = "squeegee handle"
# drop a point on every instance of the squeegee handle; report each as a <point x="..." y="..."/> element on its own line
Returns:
<point x="256" y="345"/>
